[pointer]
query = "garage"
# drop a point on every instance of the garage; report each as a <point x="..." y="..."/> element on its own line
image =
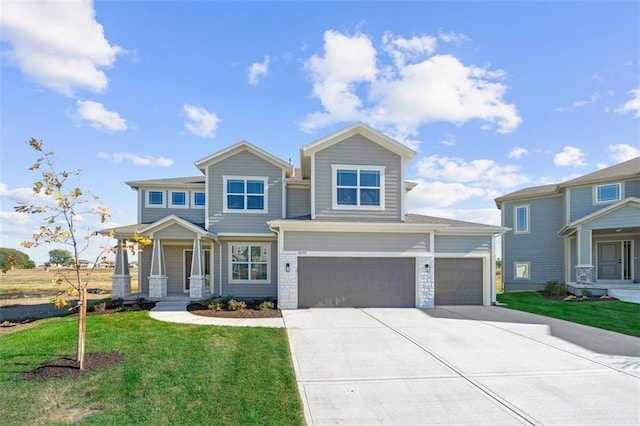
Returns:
<point x="458" y="281"/>
<point x="356" y="282"/>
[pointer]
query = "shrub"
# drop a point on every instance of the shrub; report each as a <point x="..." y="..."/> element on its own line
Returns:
<point x="236" y="305"/>
<point x="216" y="305"/>
<point x="555" y="287"/>
<point x="115" y="303"/>
<point x="99" y="307"/>
<point x="265" y="305"/>
<point x="586" y="292"/>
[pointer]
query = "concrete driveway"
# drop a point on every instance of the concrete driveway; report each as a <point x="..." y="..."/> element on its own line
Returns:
<point x="460" y="365"/>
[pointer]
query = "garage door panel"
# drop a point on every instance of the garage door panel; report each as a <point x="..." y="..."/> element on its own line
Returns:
<point x="458" y="281"/>
<point x="356" y="282"/>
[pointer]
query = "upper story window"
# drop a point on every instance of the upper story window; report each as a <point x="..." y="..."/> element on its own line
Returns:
<point x="358" y="187"/>
<point x="521" y="219"/>
<point x="245" y="194"/>
<point x="198" y="199"/>
<point x="178" y="199"/>
<point x="155" y="199"/>
<point x="608" y="193"/>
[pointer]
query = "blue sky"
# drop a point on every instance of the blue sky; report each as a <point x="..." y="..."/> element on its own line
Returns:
<point x="494" y="96"/>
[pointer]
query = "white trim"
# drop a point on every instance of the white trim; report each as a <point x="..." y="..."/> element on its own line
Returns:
<point x="262" y="244"/>
<point x="357" y="187"/>
<point x="246" y="234"/>
<point x="313" y="186"/>
<point x="284" y="195"/>
<point x="187" y="196"/>
<point x="207" y="201"/>
<point x="193" y="200"/>
<point x="515" y="218"/>
<point x="265" y="182"/>
<point x="237" y="148"/>
<point x="620" y="193"/>
<point x="320" y="253"/>
<point x="147" y="194"/>
<point x="403" y="191"/>
<point x="596" y="263"/>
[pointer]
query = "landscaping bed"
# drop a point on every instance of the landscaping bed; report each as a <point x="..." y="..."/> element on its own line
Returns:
<point x="232" y="308"/>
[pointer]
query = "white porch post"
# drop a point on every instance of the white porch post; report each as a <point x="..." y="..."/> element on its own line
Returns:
<point x="584" y="268"/>
<point x="121" y="280"/>
<point x="158" y="275"/>
<point x="197" y="278"/>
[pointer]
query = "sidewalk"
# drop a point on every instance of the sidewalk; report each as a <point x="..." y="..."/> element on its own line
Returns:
<point x="171" y="311"/>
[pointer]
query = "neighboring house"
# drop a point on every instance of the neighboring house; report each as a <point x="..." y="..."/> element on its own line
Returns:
<point x="333" y="233"/>
<point x="585" y="232"/>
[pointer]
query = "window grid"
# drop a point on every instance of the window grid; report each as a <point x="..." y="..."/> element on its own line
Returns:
<point x="358" y="187"/>
<point x="249" y="262"/>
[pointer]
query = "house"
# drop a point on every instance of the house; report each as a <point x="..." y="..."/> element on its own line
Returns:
<point x="584" y="232"/>
<point x="333" y="233"/>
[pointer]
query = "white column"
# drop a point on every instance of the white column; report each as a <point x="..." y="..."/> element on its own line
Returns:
<point x="584" y="268"/>
<point x="197" y="278"/>
<point x="121" y="280"/>
<point x="158" y="275"/>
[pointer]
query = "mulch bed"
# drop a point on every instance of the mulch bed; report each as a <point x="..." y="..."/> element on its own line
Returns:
<point x="200" y="309"/>
<point x="68" y="366"/>
<point x="561" y="297"/>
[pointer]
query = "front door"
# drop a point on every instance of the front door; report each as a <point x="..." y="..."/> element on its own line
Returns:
<point x="609" y="261"/>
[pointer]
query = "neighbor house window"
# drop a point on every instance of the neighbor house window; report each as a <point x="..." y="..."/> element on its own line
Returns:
<point x="155" y="199"/>
<point x="608" y="193"/>
<point x="178" y="199"/>
<point x="245" y="194"/>
<point x="249" y="262"/>
<point x="198" y="199"/>
<point x="358" y="187"/>
<point x="522" y="270"/>
<point x="521" y="214"/>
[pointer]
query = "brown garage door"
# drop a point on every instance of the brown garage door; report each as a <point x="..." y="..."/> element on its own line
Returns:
<point x="356" y="282"/>
<point x="458" y="281"/>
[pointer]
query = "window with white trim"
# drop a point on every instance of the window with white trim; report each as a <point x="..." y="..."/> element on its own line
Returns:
<point x="522" y="270"/>
<point x="521" y="219"/>
<point x="178" y="199"/>
<point x="155" y="199"/>
<point x="608" y="193"/>
<point x="249" y="262"/>
<point x="245" y="194"/>
<point x="198" y="199"/>
<point x="358" y="187"/>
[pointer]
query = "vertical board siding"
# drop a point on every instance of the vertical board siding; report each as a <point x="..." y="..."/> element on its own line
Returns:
<point x="152" y="214"/>
<point x="542" y="246"/>
<point x="462" y="244"/>
<point x="243" y="164"/>
<point x="250" y="290"/>
<point x="356" y="241"/>
<point x="298" y="202"/>
<point x="358" y="150"/>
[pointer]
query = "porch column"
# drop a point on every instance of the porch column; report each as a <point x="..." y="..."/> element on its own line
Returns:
<point x="197" y="278"/>
<point x="584" y="268"/>
<point x="158" y="275"/>
<point x="121" y="280"/>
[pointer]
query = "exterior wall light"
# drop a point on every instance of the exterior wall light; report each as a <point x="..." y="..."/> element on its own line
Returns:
<point x="287" y="267"/>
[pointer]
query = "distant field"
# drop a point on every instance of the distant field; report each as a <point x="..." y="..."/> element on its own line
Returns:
<point x="41" y="280"/>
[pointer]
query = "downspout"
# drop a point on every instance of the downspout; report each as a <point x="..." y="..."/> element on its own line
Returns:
<point x="278" y="265"/>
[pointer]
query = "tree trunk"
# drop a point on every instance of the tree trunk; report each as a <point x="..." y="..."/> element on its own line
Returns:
<point x="82" y="326"/>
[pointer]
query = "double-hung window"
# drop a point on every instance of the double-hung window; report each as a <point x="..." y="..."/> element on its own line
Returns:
<point x="521" y="219"/>
<point x="245" y="194"/>
<point x="608" y="193"/>
<point x="358" y="187"/>
<point x="249" y="262"/>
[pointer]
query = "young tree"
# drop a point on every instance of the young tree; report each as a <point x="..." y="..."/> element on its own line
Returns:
<point x="61" y="257"/>
<point x="67" y="203"/>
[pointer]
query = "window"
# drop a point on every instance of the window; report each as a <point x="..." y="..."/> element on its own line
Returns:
<point x="178" y="199"/>
<point x="608" y="193"/>
<point x="521" y="214"/>
<point x="358" y="187"/>
<point x="155" y="199"/>
<point x="198" y="199"/>
<point x="249" y="262"/>
<point x="521" y="270"/>
<point x="245" y="194"/>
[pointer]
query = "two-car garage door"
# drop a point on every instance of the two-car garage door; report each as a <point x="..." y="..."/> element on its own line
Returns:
<point x="384" y="282"/>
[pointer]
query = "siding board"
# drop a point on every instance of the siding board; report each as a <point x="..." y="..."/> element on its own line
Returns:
<point x="356" y="241"/>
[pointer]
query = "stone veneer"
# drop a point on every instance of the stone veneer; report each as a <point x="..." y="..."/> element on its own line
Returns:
<point x="158" y="286"/>
<point x="120" y="286"/>
<point x="584" y="274"/>
<point x="426" y="285"/>
<point x="288" y="282"/>
<point x="196" y="287"/>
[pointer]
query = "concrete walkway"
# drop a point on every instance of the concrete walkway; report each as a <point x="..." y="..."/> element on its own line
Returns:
<point x="632" y="296"/>
<point x="176" y="311"/>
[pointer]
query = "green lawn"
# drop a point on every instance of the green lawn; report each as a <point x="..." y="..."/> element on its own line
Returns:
<point x="613" y="315"/>
<point x="172" y="374"/>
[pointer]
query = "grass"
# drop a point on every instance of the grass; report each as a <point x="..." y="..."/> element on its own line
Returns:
<point x="614" y="315"/>
<point x="172" y="374"/>
<point x="42" y="280"/>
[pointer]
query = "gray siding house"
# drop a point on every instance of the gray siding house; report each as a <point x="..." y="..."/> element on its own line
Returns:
<point x="584" y="232"/>
<point x="335" y="232"/>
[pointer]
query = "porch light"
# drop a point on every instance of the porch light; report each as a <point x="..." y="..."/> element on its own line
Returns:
<point x="427" y="267"/>
<point x="287" y="267"/>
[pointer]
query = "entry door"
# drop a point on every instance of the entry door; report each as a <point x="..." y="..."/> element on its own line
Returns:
<point x="609" y="261"/>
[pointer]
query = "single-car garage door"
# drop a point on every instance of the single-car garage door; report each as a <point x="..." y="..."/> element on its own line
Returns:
<point x="356" y="282"/>
<point x="458" y="281"/>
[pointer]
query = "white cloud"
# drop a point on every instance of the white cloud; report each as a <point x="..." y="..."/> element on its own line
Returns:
<point x="623" y="152"/>
<point x="58" y="44"/>
<point x="441" y="194"/>
<point x="27" y="195"/>
<point x="633" y="105"/>
<point x="518" y="152"/>
<point x="448" y="140"/>
<point x="569" y="156"/>
<point x="415" y="89"/>
<point x="200" y="122"/>
<point x="98" y="117"/>
<point x="14" y="219"/>
<point x="257" y="69"/>
<point x="136" y="160"/>
<point x="452" y="37"/>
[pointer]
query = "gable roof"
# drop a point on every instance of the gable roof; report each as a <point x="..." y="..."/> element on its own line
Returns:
<point x="232" y="150"/>
<point x="531" y="192"/>
<point x="172" y="219"/>
<point x="570" y="228"/>
<point x="188" y="181"/>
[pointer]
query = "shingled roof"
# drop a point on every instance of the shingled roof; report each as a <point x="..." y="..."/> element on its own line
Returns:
<point x="179" y="181"/>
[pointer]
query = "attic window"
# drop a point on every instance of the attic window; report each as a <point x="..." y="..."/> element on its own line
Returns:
<point x="608" y="193"/>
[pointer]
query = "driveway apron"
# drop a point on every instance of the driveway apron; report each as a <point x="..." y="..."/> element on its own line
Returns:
<point x="460" y="365"/>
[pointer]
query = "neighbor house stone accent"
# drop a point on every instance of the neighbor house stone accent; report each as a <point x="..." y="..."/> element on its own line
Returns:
<point x="288" y="282"/>
<point x="426" y="286"/>
<point x="584" y="274"/>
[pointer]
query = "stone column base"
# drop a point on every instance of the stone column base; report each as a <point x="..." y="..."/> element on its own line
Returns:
<point x="120" y="286"/>
<point x="288" y="281"/>
<point x="426" y="286"/>
<point x="196" y="287"/>
<point x="158" y="286"/>
<point x="584" y="274"/>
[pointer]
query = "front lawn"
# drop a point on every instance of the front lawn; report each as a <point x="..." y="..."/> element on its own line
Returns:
<point x="171" y="374"/>
<point x="614" y="315"/>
